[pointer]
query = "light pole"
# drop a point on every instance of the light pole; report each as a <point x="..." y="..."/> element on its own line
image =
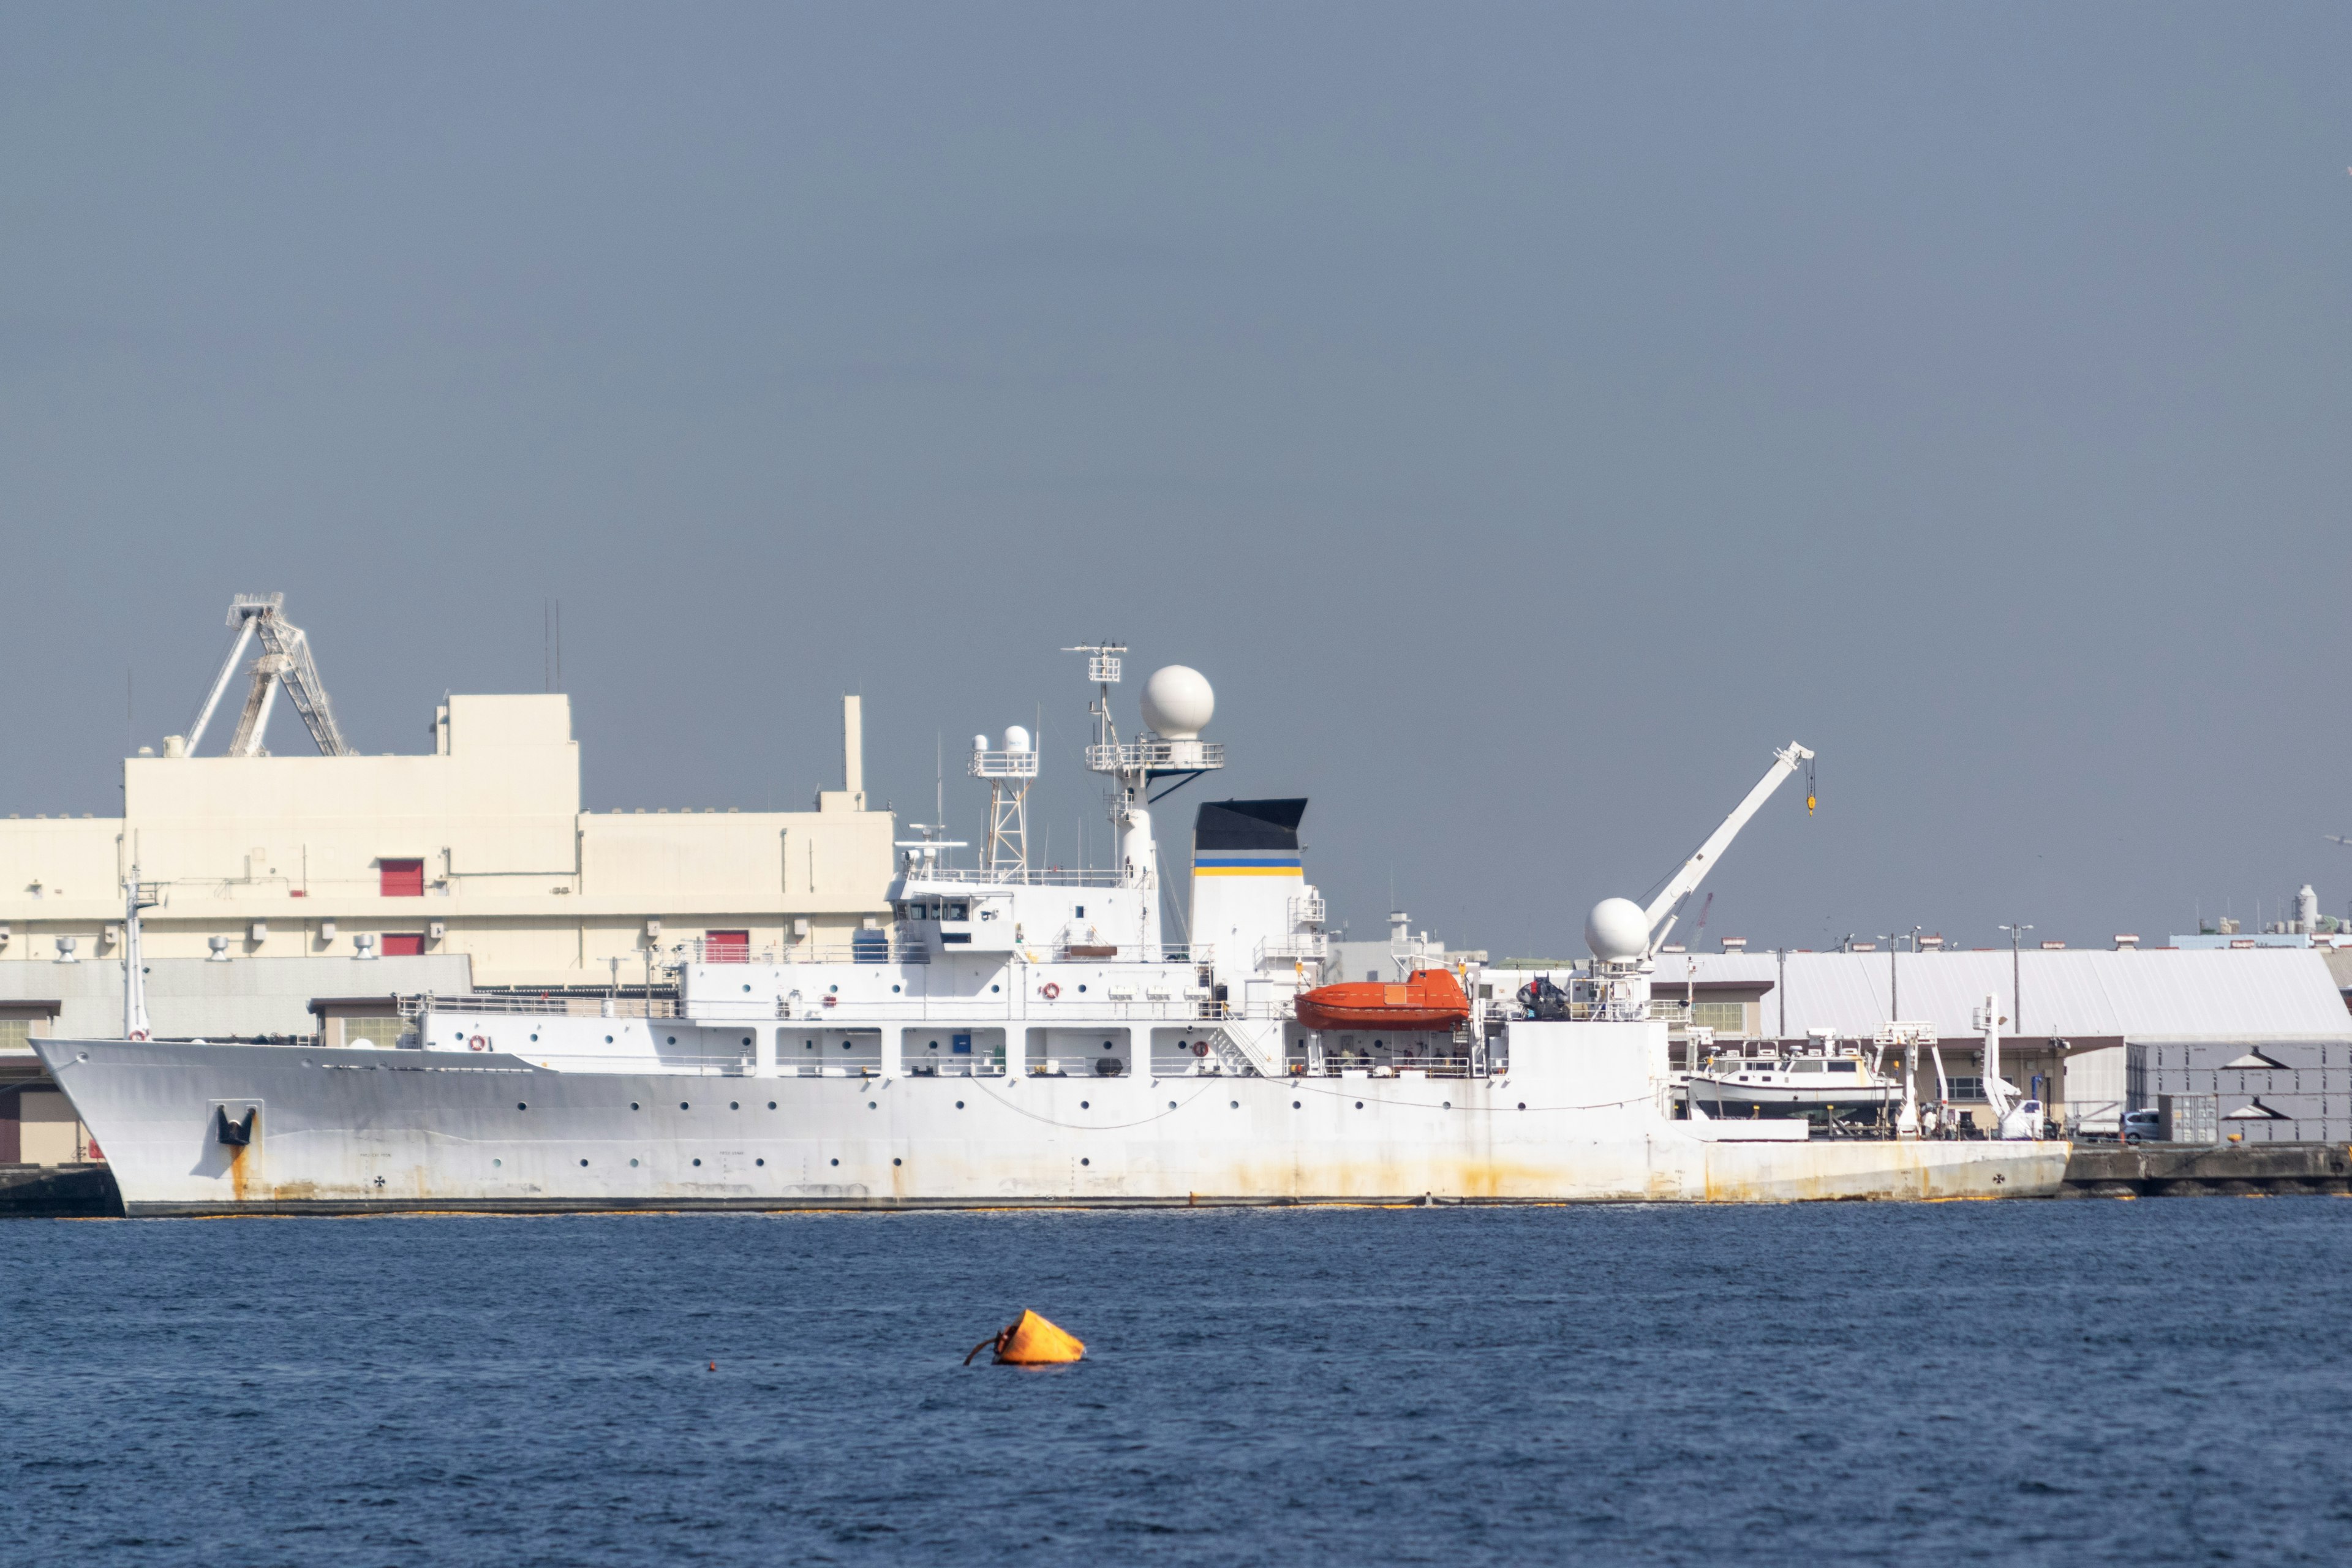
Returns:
<point x="2016" y="995"/>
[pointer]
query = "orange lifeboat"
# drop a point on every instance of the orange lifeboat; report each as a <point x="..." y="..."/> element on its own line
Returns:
<point x="1429" y="999"/>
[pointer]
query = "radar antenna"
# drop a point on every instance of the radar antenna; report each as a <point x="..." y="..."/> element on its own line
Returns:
<point x="285" y="662"/>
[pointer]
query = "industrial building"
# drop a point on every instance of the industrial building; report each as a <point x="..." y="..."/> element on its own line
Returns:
<point x="476" y="852"/>
<point x="2090" y="1032"/>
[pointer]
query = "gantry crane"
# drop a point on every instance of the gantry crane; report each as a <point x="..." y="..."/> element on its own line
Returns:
<point x="285" y="662"/>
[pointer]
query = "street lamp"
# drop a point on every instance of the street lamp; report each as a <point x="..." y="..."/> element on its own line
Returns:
<point x="2016" y="997"/>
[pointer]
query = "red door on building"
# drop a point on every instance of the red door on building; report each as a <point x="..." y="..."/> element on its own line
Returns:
<point x="727" y="947"/>
<point x="401" y="878"/>
<point x="403" y="944"/>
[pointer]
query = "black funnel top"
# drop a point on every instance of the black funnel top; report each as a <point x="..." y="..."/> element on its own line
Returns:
<point x="1247" y="824"/>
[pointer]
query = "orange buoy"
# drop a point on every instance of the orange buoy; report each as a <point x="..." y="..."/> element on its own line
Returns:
<point x="1429" y="999"/>
<point x="1031" y="1342"/>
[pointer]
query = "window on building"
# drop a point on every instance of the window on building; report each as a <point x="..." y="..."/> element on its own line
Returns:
<point x="403" y="944"/>
<point x="1723" y="1018"/>
<point x="727" y="947"/>
<point x="15" y="1033"/>
<point x="401" y="879"/>
<point x="1967" y="1089"/>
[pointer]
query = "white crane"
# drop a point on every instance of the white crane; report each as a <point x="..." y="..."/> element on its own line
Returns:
<point x="285" y="662"/>
<point x="1620" y="931"/>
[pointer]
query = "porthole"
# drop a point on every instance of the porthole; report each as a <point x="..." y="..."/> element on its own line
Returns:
<point x="522" y="1105"/>
<point x="898" y="1162"/>
<point x="583" y="1165"/>
<point x="992" y="990"/>
<point x="534" y="1038"/>
<point x="1447" y="1105"/>
<point x="1106" y="1043"/>
<point x="772" y="1105"/>
<point x="495" y="1163"/>
<point x="871" y="1106"/>
<point x="1083" y="1161"/>
<point x="894" y="991"/>
<point x="747" y="1039"/>
<point x="935" y="1044"/>
<point x="747" y="988"/>
<point x="836" y="1162"/>
<point x="734" y="1105"/>
<point x="761" y="1162"/>
<point x="1360" y="1105"/>
<point x="1237" y="1104"/>
<point x="632" y="1164"/>
<point x="959" y="1105"/>
<point x="1172" y="1105"/>
<point x="634" y="1106"/>
<point x="1523" y="1105"/>
<point x="1294" y="1105"/>
<point x="673" y="1039"/>
<point x="681" y="1105"/>
<point x="1086" y="1105"/>
<point x="697" y="1162"/>
<point x="608" y="1039"/>
<point x="1082" y="990"/>
<point x="833" y="988"/>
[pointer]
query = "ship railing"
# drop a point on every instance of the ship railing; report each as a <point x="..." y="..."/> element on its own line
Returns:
<point x="1070" y="951"/>
<point x="1186" y="755"/>
<point x="865" y="947"/>
<point x="551" y="1004"/>
<point x="1336" y="1065"/>
<point x="918" y="878"/>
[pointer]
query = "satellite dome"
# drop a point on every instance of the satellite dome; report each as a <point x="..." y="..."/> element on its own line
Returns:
<point x="1016" y="739"/>
<point x="1617" y="931"/>
<point x="1178" y="703"/>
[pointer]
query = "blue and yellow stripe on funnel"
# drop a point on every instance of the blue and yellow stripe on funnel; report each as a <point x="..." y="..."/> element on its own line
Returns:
<point x="1246" y="863"/>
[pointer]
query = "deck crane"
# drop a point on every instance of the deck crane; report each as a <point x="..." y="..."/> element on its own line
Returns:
<point x="285" y="662"/>
<point x="1620" y="931"/>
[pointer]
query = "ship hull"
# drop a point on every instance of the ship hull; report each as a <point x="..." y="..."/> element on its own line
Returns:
<point x="341" y="1131"/>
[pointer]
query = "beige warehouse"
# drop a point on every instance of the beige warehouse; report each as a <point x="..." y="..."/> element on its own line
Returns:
<point x="478" y="849"/>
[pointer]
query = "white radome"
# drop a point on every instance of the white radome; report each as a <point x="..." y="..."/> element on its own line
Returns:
<point x="1178" y="703"/>
<point x="1617" y="931"/>
<point x="1016" y="739"/>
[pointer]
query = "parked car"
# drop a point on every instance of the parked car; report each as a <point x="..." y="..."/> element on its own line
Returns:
<point x="2142" y="1126"/>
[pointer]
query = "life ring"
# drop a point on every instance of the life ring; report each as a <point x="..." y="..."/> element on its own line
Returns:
<point x="480" y="1043"/>
<point x="1200" y="1047"/>
<point x="136" y="1035"/>
<point x="1049" y="991"/>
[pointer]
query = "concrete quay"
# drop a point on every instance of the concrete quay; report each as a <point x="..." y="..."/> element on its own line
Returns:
<point x="58" y="1192"/>
<point x="2206" y="1170"/>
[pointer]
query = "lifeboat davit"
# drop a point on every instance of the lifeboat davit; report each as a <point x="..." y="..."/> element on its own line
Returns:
<point x="1429" y="999"/>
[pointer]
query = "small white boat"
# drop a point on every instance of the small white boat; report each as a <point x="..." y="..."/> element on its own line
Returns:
<point x="1826" y="1080"/>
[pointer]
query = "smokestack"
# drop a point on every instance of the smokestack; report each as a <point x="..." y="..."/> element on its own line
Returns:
<point x="853" y="749"/>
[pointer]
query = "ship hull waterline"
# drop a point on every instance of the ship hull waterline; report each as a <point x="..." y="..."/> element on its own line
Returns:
<point x="362" y="1130"/>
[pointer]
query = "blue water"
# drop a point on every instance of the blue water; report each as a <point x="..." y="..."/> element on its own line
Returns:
<point x="2163" y="1381"/>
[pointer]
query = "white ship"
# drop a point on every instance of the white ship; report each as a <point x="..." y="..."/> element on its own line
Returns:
<point x="1018" y="1037"/>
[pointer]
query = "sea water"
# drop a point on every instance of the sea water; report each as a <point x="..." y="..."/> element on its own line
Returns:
<point x="2152" y="1382"/>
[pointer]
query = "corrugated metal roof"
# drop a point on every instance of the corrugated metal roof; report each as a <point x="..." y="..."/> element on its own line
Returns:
<point x="2268" y="993"/>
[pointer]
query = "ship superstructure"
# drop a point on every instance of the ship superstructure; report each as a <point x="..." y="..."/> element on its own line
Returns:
<point x="1018" y="1034"/>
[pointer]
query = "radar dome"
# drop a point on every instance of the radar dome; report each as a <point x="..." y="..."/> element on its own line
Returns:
<point x="1617" y="931"/>
<point x="1178" y="703"/>
<point x="1016" y="739"/>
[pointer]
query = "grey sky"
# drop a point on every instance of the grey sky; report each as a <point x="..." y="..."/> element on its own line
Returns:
<point x="1526" y="417"/>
